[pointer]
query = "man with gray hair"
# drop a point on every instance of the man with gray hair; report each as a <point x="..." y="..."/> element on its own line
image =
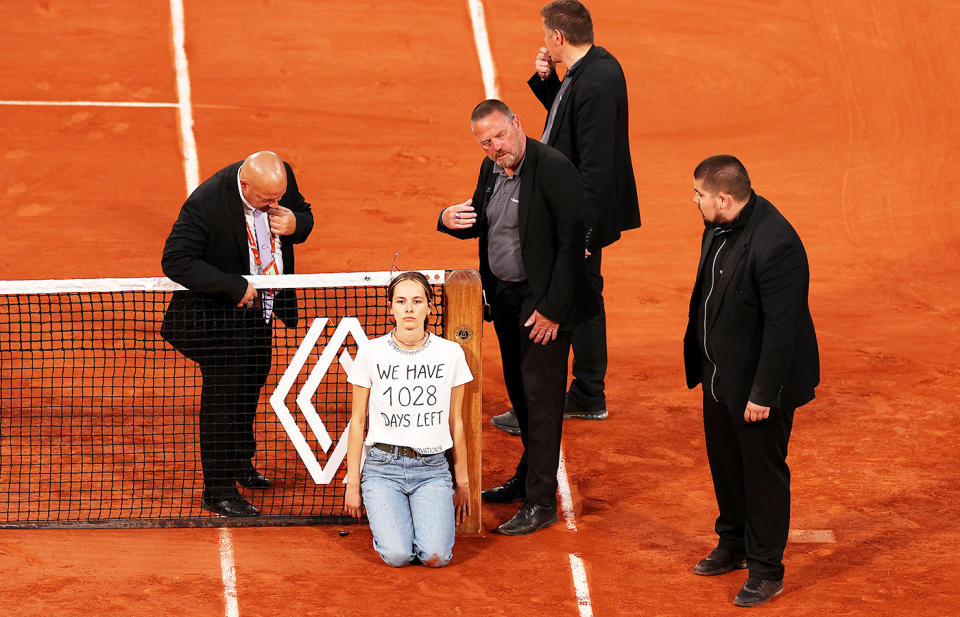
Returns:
<point x="526" y="211"/>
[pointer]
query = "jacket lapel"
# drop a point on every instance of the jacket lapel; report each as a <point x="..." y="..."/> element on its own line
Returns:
<point x="236" y="219"/>
<point x="568" y="93"/>
<point x="489" y="181"/>
<point x="738" y="249"/>
<point x="704" y="248"/>
<point x="527" y="175"/>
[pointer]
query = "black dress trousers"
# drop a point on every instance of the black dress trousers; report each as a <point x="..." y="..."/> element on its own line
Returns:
<point x="536" y="379"/>
<point x="234" y="369"/>
<point x="589" y="343"/>
<point x="751" y="479"/>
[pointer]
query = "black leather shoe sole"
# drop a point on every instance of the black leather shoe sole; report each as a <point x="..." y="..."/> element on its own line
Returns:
<point x="509" y="492"/>
<point x="766" y="591"/>
<point x="521" y="526"/>
<point x="507" y="422"/>
<point x="584" y="414"/>
<point x="710" y="567"/>
<point x="235" y="506"/>
<point x="574" y="410"/>
<point x="254" y="480"/>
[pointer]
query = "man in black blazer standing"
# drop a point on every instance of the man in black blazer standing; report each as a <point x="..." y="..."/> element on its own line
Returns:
<point x="587" y="121"/>
<point x="527" y="213"/>
<point x="751" y="345"/>
<point x="243" y="220"/>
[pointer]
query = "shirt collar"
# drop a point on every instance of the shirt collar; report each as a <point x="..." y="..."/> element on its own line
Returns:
<point x="573" y="67"/>
<point x="516" y="173"/>
<point x="742" y="217"/>
<point x="246" y="204"/>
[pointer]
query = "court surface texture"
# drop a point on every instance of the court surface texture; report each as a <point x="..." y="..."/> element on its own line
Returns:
<point x="843" y="112"/>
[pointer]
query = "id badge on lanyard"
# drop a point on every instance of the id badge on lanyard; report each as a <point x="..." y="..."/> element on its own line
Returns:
<point x="270" y="268"/>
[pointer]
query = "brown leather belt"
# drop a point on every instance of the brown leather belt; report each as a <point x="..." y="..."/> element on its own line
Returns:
<point x="401" y="450"/>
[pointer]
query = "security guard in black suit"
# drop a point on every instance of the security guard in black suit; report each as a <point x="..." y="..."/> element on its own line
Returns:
<point x="751" y="345"/>
<point x="527" y="211"/>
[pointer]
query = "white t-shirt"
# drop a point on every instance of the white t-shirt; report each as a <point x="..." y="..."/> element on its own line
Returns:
<point x="409" y="401"/>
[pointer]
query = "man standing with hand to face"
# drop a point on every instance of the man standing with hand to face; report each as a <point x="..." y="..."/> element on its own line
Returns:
<point x="244" y="219"/>
<point x="587" y="121"/>
<point x="751" y="345"/>
<point x="527" y="213"/>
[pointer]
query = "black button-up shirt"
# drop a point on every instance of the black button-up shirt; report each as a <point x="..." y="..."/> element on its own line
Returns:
<point x="716" y="266"/>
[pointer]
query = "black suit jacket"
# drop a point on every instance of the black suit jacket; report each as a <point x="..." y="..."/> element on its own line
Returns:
<point x="591" y="129"/>
<point x="760" y="331"/>
<point x="207" y="252"/>
<point x="551" y="234"/>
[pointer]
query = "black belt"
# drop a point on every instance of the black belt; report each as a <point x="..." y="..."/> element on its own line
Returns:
<point x="513" y="284"/>
<point x="401" y="450"/>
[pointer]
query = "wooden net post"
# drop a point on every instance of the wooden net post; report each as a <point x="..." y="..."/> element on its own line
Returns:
<point x="463" y="323"/>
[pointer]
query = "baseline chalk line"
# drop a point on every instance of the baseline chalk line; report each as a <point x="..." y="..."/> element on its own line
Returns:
<point x="228" y="573"/>
<point x="191" y="167"/>
<point x="88" y="104"/>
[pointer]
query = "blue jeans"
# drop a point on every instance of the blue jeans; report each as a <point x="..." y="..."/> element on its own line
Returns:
<point x="409" y="504"/>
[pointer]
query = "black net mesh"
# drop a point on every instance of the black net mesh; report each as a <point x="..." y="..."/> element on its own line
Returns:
<point x="104" y="423"/>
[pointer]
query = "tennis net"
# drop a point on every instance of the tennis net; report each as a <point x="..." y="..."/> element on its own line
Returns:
<point x="100" y="415"/>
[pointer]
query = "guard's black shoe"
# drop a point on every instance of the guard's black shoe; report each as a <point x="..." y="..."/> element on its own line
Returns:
<point x="229" y="506"/>
<point x="531" y="517"/>
<point x="249" y="477"/>
<point x="757" y="591"/>
<point x="509" y="492"/>
<point x="507" y="422"/>
<point x="720" y="561"/>
<point x="573" y="410"/>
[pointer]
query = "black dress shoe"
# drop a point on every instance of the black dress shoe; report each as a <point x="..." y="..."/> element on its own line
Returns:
<point x="229" y="506"/>
<point x="249" y="477"/>
<point x="507" y="422"/>
<point x="720" y="561"/>
<point x="757" y="591"/>
<point x="531" y="517"/>
<point x="509" y="492"/>
<point x="573" y="410"/>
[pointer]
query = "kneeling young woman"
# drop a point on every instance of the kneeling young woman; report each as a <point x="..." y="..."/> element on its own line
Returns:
<point x="409" y="384"/>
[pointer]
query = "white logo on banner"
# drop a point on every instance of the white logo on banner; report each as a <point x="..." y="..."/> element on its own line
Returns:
<point x="348" y="325"/>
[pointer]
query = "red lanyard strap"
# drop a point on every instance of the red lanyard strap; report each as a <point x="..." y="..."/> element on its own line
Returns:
<point x="252" y="241"/>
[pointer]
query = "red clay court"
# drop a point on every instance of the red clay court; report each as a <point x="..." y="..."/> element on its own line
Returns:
<point x="845" y="115"/>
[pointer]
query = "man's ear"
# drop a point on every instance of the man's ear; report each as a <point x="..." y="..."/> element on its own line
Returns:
<point x="725" y="200"/>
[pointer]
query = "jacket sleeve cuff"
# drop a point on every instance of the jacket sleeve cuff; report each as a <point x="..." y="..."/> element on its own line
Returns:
<point x="765" y="397"/>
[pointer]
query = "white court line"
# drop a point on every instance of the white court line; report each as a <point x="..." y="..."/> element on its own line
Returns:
<point x="487" y="70"/>
<point x="191" y="172"/>
<point x="88" y="104"/>
<point x="229" y="573"/>
<point x="191" y="168"/>
<point x="812" y="536"/>
<point x="566" y="499"/>
<point x="580" y="584"/>
<point x="489" y="74"/>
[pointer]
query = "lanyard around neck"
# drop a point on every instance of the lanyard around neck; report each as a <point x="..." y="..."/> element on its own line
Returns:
<point x="254" y="246"/>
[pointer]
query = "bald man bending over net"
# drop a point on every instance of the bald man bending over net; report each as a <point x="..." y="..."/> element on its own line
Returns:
<point x="244" y="219"/>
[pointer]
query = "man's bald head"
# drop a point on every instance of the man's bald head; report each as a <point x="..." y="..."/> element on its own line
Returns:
<point x="263" y="179"/>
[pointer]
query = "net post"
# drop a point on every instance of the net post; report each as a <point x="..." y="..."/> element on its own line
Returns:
<point x="463" y="323"/>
